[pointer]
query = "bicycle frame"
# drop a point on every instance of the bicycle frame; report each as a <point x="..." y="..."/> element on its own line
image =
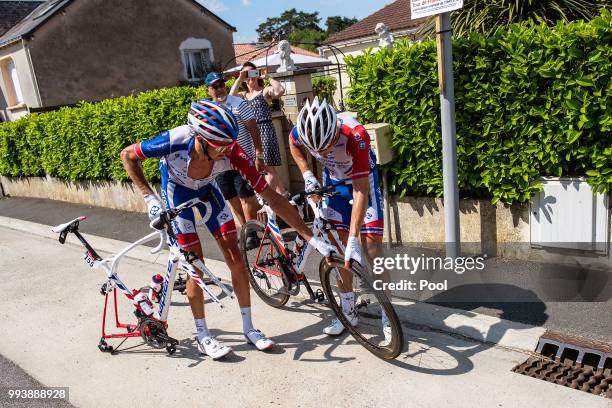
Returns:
<point x="177" y="257"/>
<point x="319" y="229"/>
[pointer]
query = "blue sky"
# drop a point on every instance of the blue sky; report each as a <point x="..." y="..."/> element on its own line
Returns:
<point x="246" y="15"/>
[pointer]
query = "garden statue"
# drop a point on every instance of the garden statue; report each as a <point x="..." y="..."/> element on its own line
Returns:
<point x="385" y="38"/>
<point x="286" y="63"/>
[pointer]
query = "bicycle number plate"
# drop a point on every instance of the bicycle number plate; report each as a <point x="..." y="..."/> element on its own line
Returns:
<point x="90" y="261"/>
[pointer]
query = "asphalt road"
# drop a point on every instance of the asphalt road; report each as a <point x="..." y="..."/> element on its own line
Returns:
<point x="15" y="377"/>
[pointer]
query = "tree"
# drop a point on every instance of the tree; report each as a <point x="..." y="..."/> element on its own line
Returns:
<point x="338" y="23"/>
<point x="486" y="16"/>
<point x="305" y="38"/>
<point x="289" y="22"/>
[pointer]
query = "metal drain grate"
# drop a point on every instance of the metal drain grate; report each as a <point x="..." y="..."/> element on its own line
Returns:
<point x="572" y="362"/>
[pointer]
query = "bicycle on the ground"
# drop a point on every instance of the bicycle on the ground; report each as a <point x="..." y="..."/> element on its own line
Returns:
<point x="151" y="322"/>
<point x="276" y="272"/>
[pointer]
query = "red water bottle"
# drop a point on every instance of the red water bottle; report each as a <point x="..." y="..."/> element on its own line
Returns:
<point x="156" y="287"/>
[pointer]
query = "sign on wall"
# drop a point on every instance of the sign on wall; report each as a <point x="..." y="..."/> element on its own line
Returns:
<point x="425" y="8"/>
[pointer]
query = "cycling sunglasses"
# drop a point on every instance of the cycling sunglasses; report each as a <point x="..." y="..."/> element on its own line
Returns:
<point x="221" y="148"/>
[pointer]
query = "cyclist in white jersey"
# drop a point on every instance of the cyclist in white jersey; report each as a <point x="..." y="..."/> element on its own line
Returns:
<point x="343" y="147"/>
<point x="191" y="157"/>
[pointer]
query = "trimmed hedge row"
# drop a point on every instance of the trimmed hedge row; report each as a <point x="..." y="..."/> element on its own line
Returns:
<point x="531" y="101"/>
<point x="84" y="142"/>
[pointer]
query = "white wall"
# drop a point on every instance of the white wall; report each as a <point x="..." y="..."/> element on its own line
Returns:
<point x="19" y="55"/>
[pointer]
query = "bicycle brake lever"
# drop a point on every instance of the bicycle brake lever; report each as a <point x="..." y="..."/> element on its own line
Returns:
<point x="159" y="223"/>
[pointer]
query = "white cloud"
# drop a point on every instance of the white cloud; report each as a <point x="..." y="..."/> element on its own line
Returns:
<point x="246" y="2"/>
<point x="216" y="6"/>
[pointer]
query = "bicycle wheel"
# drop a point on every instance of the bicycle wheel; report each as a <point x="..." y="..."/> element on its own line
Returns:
<point x="264" y="263"/>
<point x="369" y="303"/>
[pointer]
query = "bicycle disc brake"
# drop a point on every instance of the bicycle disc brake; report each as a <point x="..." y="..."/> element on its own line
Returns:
<point x="154" y="333"/>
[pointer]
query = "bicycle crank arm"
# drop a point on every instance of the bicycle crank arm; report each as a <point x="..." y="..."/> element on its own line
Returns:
<point x="164" y="338"/>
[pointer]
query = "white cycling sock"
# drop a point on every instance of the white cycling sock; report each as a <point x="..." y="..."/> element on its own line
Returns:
<point x="384" y="318"/>
<point x="201" y="328"/>
<point x="347" y="300"/>
<point x="247" y="324"/>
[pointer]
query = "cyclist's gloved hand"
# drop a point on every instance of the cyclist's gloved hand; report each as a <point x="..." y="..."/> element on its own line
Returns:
<point x="323" y="247"/>
<point x="353" y="250"/>
<point x="154" y="206"/>
<point x="310" y="181"/>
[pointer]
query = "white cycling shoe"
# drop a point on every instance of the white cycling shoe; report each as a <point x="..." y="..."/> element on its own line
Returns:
<point x="213" y="348"/>
<point x="258" y="339"/>
<point x="336" y="327"/>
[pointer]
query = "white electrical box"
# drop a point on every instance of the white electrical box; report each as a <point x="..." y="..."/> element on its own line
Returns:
<point x="380" y="139"/>
<point x="568" y="215"/>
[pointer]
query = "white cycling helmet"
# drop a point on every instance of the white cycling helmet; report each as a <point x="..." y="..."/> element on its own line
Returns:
<point x="317" y="124"/>
<point x="212" y="121"/>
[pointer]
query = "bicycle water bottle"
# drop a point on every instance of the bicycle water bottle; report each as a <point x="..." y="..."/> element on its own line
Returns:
<point x="156" y="287"/>
<point x="143" y="302"/>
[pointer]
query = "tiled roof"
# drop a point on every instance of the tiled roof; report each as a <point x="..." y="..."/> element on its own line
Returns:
<point x="12" y="12"/>
<point x="396" y="16"/>
<point x="249" y="51"/>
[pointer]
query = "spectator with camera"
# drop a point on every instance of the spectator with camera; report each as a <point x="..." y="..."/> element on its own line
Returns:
<point x="251" y="87"/>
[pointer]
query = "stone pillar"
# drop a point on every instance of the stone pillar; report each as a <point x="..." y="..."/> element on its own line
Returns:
<point x="298" y="88"/>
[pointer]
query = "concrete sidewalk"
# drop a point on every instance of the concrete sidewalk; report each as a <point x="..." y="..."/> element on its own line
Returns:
<point x="51" y="322"/>
<point x="487" y="321"/>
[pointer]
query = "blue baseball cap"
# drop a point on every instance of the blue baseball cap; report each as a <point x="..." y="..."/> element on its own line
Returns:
<point x="213" y="77"/>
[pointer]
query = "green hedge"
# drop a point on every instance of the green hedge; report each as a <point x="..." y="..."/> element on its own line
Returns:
<point x="530" y="101"/>
<point x="324" y="86"/>
<point x="84" y="142"/>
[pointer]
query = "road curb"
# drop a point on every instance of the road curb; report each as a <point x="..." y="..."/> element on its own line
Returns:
<point x="476" y="326"/>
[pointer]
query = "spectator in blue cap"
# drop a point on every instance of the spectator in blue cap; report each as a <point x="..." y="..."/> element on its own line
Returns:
<point x="233" y="186"/>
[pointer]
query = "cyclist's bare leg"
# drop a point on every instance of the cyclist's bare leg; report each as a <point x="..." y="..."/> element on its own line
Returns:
<point x="194" y="292"/>
<point x="240" y="279"/>
<point x="249" y="208"/>
<point x="373" y="248"/>
<point x="233" y="258"/>
<point x="347" y="278"/>
<point x="236" y="206"/>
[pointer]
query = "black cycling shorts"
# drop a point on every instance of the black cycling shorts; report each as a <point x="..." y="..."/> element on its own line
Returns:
<point x="232" y="184"/>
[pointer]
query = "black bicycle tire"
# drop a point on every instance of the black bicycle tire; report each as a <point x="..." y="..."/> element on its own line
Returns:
<point x="397" y="344"/>
<point x="244" y="232"/>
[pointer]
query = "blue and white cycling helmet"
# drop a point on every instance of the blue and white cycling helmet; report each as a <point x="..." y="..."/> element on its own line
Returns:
<point x="317" y="124"/>
<point x="212" y="121"/>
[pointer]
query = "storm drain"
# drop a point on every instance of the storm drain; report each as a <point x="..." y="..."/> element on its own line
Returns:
<point x="572" y="362"/>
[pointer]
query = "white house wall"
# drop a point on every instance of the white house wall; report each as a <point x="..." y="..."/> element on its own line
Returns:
<point x="19" y="55"/>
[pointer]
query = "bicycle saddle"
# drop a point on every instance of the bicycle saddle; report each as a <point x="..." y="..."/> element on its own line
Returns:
<point x="60" y="228"/>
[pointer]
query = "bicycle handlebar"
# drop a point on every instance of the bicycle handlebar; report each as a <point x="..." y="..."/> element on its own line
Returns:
<point x="162" y="242"/>
<point x="166" y="216"/>
<point x="326" y="191"/>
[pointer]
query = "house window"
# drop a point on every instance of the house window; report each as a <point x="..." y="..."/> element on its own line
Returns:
<point x="197" y="64"/>
<point x="14" y="96"/>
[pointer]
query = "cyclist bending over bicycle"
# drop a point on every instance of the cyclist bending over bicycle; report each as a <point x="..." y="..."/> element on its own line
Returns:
<point x="343" y="147"/>
<point x="192" y="156"/>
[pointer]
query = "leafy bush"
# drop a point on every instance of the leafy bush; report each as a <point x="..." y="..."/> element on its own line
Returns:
<point x="84" y="142"/>
<point x="531" y="101"/>
<point x="324" y="86"/>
